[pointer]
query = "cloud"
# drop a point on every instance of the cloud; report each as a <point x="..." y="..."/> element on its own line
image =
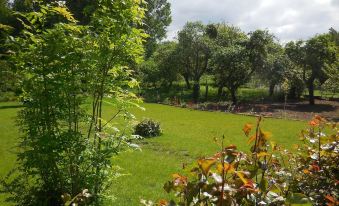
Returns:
<point x="287" y="19"/>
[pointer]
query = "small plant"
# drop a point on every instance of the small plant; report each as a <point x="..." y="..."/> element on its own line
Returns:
<point x="148" y="128"/>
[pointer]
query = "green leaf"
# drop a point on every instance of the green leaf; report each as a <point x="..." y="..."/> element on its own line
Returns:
<point x="297" y="198"/>
<point x="263" y="185"/>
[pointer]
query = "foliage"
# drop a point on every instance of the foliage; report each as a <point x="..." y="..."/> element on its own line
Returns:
<point x="320" y="53"/>
<point x="315" y="57"/>
<point x="149" y="72"/>
<point x="148" y="128"/>
<point x="269" y="175"/>
<point x="332" y="83"/>
<point x="162" y="66"/>
<point x="51" y="137"/>
<point x="8" y="97"/>
<point x="194" y="49"/>
<point x="231" y="177"/>
<point x="258" y="48"/>
<point x="314" y="165"/>
<point x="63" y="150"/>
<point x="275" y="66"/>
<point x="230" y="60"/>
<point x="157" y="19"/>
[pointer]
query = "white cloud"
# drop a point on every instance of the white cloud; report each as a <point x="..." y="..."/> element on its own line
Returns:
<point x="287" y="19"/>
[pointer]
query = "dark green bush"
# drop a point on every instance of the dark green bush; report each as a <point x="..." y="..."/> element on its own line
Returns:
<point x="7" y="96"/>
<point x="148" y="128"/>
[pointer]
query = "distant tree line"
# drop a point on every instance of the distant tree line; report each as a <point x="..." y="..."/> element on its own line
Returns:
<point x="233" y="57"/>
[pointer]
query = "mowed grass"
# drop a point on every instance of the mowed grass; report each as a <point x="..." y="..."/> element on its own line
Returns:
<point x="187" y="135"/>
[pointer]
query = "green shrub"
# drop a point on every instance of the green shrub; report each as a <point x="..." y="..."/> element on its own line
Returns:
<point x="7" y="96"/>
<point x="315" y="163"/>
<point x="148" y="128"/>
<point x="267" y="175"/>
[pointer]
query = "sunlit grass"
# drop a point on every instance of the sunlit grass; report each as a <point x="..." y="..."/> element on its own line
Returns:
<point x="187" y="135"/>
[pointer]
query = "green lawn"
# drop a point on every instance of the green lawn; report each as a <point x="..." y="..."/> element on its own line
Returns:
<point x="187" y="135"/>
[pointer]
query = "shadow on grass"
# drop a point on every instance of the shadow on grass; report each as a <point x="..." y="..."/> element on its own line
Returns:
<point x="11" y="106"/>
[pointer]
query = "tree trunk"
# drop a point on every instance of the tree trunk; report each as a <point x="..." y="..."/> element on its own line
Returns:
<point x="188" y="85"/>
<point x="311" y="92"/>
<point x="234" y="96"/>
<point x="196" y="92"/>
<point x="206" y="91"/>
<point x="271" y="89"/>
<point x="220" y="91"/>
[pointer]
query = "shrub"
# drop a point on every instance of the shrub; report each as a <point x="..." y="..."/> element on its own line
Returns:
<point x="315" y="164"/>
<point x="7" y="96"/>
<point x="148" y="128"/>
<point x="232" y="177"/>
<point x="268" y="175"/>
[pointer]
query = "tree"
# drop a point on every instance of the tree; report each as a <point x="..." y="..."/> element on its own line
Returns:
<point x="157" y="19"/>
<point x="8" y="79"/>
<point x="64" y="151"/>
<point x="82" y="10"/>
<point x="320" y="55"/>
<point x="166" y="58"/>
<point x="162" y="66"/>
<point x="257" y="47"/>
<point x="332" y="83"/>
<point x="277" y="68"/>
<point x="315" y="57"/>
<point x="334" y="35"/>
<point x="149" y="73"/>
<point x="230" y="59"/>
<point x="194" y="49"/>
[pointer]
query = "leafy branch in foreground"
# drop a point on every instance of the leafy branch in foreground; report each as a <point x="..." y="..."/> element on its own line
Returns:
<point x="315" y="163"/>
<point x="63" y="150"/>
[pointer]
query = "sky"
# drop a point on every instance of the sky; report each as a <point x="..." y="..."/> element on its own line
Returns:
<point x="286" y="19"/>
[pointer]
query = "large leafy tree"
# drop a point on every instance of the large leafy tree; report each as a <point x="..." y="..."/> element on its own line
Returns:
<point x="230" y="59"/>
<point x="157" y="19"/>
<point x="157" y="16"/>
<point x="162" y="66"/>
<point x="332" y="84"/>
<point x="315" y="57"/>
<point x="320" y="57"/>
<point x="257" y="47"/>
<point x="334" y="34"/>
<point x="276" y="67"/>
<point x="194" y="49"/>
<point x="82" y="10"/>
<point x="8" y="79"/>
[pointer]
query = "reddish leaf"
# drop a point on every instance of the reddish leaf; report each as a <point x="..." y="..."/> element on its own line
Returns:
<point x="162" y="202"/>
<point x="251" y="139"/>
<point x="330" y="198"/>
<point x="247" y="129"/>
<point x="314" y="123"/>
